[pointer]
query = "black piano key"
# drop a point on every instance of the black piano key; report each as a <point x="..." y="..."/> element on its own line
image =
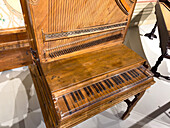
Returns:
<point x="99" y="87"/>
<point x="142" y="71"/>
<point x="124" y="76"/>
<point x="102" y="85"/>
<point x="81" y="94"/>
<point x="75" y="48"/>
<point x="113" y="78"/>
<point x="60" y="53"/>
<point x="90" y="90"/>
<point x="83" y="46"/>
<point x="110" y="82"/>
<point x="67" y="104"/>
<point x="50" y="55"/>
<point x="64" y="51"/>
<point x="80" y="47"/>
<point x="74" y="98"/>
<point x="128" y="76"/>
<point x="96" y="88"/>
<point x="130" y="72"/>
<point x="68" y="50"/>
<point x="136" y="72"/>
<point x="78" y="97"/>
<point x="85" y="89"/>
<point x="55" y="53"/>
<point x="121" y="79"/>
<point x="72" y="49"/>
<point x="107" y="84"/>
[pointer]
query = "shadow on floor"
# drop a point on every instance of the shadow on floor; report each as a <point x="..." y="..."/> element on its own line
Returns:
<point x="151" y="116"/>
<point x="27" y="112"/>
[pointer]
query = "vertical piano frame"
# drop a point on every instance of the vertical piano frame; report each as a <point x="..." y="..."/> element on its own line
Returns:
<point x="52" y="117"/>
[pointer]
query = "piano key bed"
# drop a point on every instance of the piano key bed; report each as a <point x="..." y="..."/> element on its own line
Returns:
<point x="81" y="98"/>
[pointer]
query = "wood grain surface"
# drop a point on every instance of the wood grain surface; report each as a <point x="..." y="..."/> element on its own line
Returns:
<point x="76" y="60"/>
<point x="75" y="69"/>
<point x="14" y="48"/>
<point x="56" y="16"/>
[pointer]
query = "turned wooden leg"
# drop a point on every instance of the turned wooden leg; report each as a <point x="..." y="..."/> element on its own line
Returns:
<point x="131" y="104"/>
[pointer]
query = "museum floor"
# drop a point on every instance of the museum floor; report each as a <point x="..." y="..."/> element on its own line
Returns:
<point x="19" y="107"/>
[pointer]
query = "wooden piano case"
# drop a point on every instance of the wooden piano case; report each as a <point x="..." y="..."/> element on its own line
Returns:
<point x="14" y="48"/>
<point x="80" y="66"/>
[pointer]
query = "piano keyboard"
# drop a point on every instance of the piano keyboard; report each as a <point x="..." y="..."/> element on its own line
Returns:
<point x="83" y="97"/>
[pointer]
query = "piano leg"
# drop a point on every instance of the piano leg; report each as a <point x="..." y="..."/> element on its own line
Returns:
<point x="131" y="104"/>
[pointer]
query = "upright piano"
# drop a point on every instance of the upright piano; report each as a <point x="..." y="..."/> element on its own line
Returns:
<point x="79" y="64"/>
